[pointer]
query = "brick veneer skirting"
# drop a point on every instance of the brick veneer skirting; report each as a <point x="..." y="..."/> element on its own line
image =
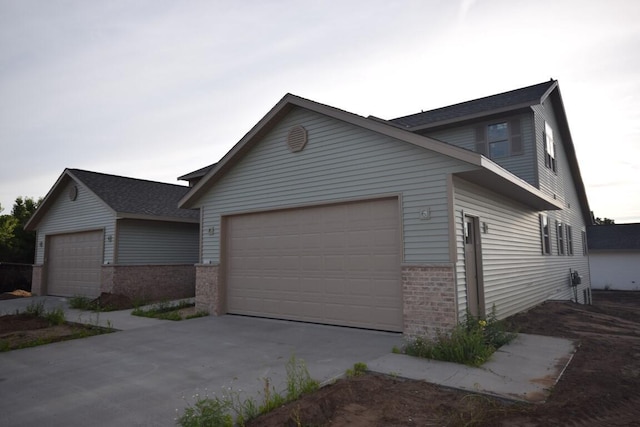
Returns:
<point x="429" y="299"/>
<point x="38" y="287"/>
<point x="149" y="282"/>
<point x="209" y="293"/>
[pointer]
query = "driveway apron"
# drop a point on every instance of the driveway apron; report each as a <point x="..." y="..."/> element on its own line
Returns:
<point x="145" y="376"/>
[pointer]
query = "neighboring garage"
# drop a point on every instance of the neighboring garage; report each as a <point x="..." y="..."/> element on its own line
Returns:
<point x="99" y="233"/>
<point x="74" y="264"/>
<point x="336" y="264"/>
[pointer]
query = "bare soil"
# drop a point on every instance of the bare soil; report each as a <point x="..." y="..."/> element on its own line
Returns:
<point x="600" y="387"/>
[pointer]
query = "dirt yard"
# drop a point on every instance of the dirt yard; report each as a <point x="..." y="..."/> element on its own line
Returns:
<point x="601" y="386"/>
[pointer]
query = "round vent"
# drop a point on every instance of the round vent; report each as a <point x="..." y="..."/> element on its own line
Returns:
<point x="297" y="138"/>
<point x="73" y="193"/>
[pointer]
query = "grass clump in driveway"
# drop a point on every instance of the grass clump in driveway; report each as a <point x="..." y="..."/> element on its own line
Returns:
<point x="230" y="408"/>
<point x="168" y="311"/>
<point x="471" y="342"/>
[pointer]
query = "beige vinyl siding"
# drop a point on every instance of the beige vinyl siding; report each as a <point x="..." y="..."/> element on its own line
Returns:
<point x="156" y="242"/>
<point x="516" y="275"/>
<point x="85" y="213"/>
<point x="340" y="162"/>
<point x="523" y="165"/>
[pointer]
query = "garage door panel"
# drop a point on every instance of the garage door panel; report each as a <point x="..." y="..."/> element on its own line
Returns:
<point x="74" y="263"/>
<point x="336" y="264"/>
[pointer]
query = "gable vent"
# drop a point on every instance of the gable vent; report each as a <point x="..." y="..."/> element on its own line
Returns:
<point x="297" y="138"/>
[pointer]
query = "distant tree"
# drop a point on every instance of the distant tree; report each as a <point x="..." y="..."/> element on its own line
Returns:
<point x="16" y="244"/>
<point x="603" y="221"/>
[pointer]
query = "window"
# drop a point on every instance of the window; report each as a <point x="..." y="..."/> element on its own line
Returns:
<point x="569" y="240"/>
<point x="560" y="237"/>
<point x="549" y="148"/>
<point x="498" y="140"/>
<point x="585" y="249"/>
<point x="544" y="234"/>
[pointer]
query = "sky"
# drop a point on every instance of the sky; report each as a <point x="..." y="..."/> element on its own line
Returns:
<point x="156" y="89"/>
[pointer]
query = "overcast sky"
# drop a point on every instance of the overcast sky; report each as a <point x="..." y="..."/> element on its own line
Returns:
<point x="156" y="89"/>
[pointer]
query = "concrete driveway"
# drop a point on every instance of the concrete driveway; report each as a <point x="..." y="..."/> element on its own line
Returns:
<point x="142" y="376"/>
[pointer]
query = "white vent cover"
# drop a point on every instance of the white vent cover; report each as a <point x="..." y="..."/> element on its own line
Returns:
<point x="297" y="138"/>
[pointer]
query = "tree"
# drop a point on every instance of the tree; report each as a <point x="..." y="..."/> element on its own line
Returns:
<point x="16" y="244"/>
<point x="603" y="221"/>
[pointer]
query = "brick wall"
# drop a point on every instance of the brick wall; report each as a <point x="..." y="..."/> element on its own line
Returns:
<point x="429" y="299"/>
<point x="209" y="293"/>
<point x="38" y="286"/>
<point x="149" y="282"/>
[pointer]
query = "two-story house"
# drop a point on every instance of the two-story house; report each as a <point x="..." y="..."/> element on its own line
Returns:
<point x="321" y="215"/>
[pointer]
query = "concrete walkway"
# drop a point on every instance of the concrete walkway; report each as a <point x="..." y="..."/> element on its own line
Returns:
<point x="523" y="370"/>
<point x="142" y="375"/>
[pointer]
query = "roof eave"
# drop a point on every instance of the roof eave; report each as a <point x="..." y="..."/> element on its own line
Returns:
<point x="503" y="182"/>
<point x="126" y="215"/>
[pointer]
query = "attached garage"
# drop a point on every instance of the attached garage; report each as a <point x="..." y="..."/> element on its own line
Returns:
<point x="335" y="264"/>
<point x="75" y="262"/>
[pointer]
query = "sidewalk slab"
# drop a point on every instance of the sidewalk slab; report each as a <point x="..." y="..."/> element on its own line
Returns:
<point x="524" y="370"/>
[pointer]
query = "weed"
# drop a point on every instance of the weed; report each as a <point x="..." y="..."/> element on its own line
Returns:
<point x="55" y="316"/>
<point x="358" y="370"/>
<point x="80" y="303"/>
<point x="35" y="309"/>
<point x="221" y="410"/>
<point x="396" y="350"/>
<point x="165" y="311"/>
<point x="471" y="342"/>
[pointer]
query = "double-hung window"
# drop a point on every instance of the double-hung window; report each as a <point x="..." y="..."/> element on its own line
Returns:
<point x="560" y="237"/>
<point x="569" y="240"/>
<point x="544" y="235"/>
<point x="549" y="149"/>
<point x="498" y="140"/>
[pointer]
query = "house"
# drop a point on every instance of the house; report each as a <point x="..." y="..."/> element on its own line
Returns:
<point x="614" y="256"/>
<point x="325" y="216"/>
<point x="104" y="233"/>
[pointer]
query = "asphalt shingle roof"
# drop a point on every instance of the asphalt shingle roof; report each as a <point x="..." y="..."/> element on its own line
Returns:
<point x="137" y="196"/>
<point x="614" y="237"/>
<point x="529" y="94"/>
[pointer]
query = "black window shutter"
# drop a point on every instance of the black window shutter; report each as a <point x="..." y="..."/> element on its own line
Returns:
<point x="481" y="144"/>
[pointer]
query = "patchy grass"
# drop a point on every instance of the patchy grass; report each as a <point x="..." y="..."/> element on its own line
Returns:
<point x="168" y="311"/>
<point x="36" y="326"/>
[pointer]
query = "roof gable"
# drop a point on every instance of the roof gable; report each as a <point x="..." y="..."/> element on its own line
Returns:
<point x="530" y="194"/>
<point x="126" y="197"/>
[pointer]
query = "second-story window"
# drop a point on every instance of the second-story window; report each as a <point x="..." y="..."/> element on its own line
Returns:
<point x="498" y="138"/>
<point x="549" y="148"/>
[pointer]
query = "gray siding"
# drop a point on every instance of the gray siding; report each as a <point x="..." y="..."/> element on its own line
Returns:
<point x="85" y="213"/>
<point x="156" y="242"/>
<point x="522" y="165"/>
<point x="516" y="274"/>
<point x="550" y="182"/>
<point x="340" y="162"/>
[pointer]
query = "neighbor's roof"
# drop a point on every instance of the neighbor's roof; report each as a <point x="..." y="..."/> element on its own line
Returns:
<point x="487" y="172"/>
<point x="507" y="101"/>
<point x="126" y="197"/>
<point x="614" y="237"/>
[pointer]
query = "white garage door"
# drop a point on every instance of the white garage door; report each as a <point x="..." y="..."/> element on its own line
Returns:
<point x="336" y="264"/>
<point x="74" y="264"/>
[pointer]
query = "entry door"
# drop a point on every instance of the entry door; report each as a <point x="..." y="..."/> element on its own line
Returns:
<point x="473" y="266"/>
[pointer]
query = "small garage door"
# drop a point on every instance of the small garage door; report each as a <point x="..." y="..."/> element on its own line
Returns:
<point x="74" y="264"/>
<point x="336" y="264"/>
